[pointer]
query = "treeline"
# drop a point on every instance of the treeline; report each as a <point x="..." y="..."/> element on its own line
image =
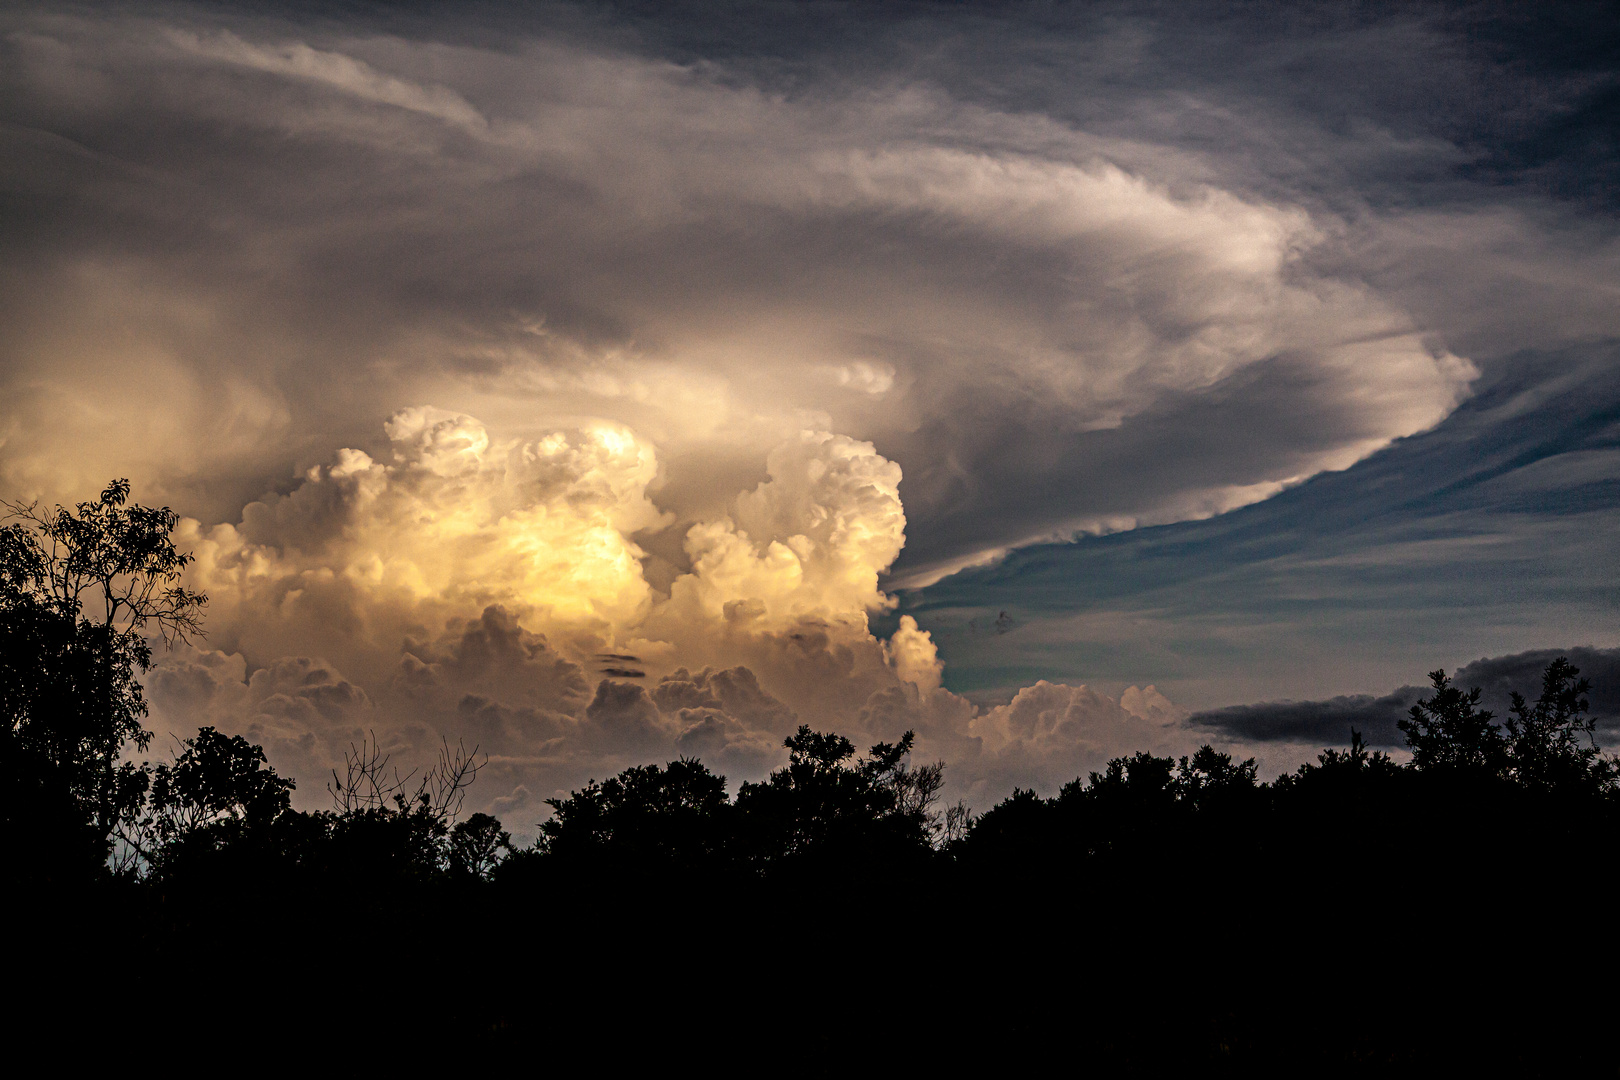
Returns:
<point x="220" y="811"/>
<point x="1536" y="788"/>
<point x="1358" y="914"/>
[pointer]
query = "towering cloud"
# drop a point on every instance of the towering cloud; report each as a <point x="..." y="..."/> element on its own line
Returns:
<point x="490" y="591"/>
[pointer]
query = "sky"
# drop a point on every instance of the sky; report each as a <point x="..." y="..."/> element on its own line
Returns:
<point x="601" y="383"/>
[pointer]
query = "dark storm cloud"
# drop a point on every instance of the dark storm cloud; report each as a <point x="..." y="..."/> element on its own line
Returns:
<point x="1448" y="126"/>
<point x="1326" y="722"/>
<point x="1389" y="104"/>
<point x="1499" y="676"/>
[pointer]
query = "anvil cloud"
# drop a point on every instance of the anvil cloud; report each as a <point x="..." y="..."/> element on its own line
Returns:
<point x="586" y="398"/>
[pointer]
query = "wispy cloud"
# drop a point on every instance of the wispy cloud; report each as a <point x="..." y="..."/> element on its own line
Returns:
<point x="336" y="70"/>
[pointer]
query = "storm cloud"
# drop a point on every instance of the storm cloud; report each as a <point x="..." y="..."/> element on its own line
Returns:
<point x="602" y="383"/>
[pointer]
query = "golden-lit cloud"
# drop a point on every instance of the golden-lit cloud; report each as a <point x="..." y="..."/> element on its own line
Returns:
<point x="454" y="522"/>
<point x="450" y="525"/>
<point x="491" y="589"/>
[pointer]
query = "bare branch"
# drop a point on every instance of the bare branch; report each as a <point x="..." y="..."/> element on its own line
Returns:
<point x="366" y="783"/>
<point x="444" y="788"/>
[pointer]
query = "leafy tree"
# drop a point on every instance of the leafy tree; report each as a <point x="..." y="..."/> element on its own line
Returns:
<point x="914" y="789"/>
<point x="477" y="846"/>
<point x="1130" y="802"/>
<point x="1552" y="742"/>
<point x="1338" y="773"/>
<point x="1141" y="786"/>
<point x="646" y="815"/>
<point x="1342" y="822"/>
<point x="1449" y="731"/>
<point x="216" y="779"/>
<point x="1356" y="760"/>
<point x="1017" y="830"/>
<point x="218" y="793"/>
<point x="80" y="592"/>
<point x="1212" y="779"/>
<point x="824" y="805"/>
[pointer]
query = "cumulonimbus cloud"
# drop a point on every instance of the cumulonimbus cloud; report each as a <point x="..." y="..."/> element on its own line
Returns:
<point x="741" y="360"/>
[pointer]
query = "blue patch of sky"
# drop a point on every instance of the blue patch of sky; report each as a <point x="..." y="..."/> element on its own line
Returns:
<point x="1497" y="531"/>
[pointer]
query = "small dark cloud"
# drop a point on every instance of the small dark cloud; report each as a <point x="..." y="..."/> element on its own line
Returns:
<point x="1330" y="722"/>
<point x="615" y="666"/>
<point x="1499" y="676"/>
<point x="1001" y="624"/>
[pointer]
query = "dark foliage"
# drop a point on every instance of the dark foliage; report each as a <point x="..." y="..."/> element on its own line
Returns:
<point x="80" y="590"/>
<point x="646" y="816"/>
<point x="1356" y="915"/>
<point x="1450" y="731"/>
<point x="1552" y="743"/>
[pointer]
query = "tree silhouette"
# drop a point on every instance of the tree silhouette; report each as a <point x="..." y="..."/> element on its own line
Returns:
<point x="1553" y="742"/>
<point x="1157" y="852"/>
<point x="216" y="781"/>
<point x="477" y="845"/>
<point x="1343" y="777"/>
<point x="382" y="830"/>
<point x="219" y="792"/>
<point x="1132" y="799"/>
<point x="217" y="778"/>
<point x="821" y="806"/>
<point x="1449" y="731"/>
<point x="1210" y="778"/>
<point x="1016" y="832"/>
<point x="80" y="591"/>
<point x="369" y="781"/>
<point x="646" y="816"/>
